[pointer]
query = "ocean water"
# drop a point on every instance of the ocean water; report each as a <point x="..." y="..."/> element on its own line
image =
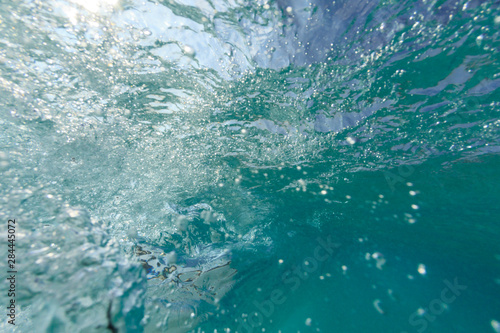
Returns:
<point x="250" y="166"/>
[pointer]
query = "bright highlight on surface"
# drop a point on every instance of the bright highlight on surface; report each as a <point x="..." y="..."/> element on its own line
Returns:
<point x="96" y="5"/>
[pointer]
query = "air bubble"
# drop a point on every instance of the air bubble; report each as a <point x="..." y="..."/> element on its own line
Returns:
<point x="495" y="325"/>
<point x="188" y="50"/>
<point x="421" y="269"/>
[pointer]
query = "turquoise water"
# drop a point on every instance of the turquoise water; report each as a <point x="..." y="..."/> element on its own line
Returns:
<point x="251" y="166"/>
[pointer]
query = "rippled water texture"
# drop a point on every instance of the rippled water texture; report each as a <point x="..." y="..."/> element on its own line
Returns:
<point x="251" y="166"/>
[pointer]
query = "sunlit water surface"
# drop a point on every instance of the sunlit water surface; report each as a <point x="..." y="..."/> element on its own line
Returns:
<point x="252" y="166"/>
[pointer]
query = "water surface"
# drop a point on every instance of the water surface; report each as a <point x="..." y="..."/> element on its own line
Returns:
<point x="251" y="166"/>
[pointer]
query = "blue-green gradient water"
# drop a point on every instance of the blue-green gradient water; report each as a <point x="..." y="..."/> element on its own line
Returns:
<point x="251" y="166"/>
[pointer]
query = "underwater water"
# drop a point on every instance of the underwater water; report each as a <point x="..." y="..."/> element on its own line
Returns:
<point x="250" y="166"/>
